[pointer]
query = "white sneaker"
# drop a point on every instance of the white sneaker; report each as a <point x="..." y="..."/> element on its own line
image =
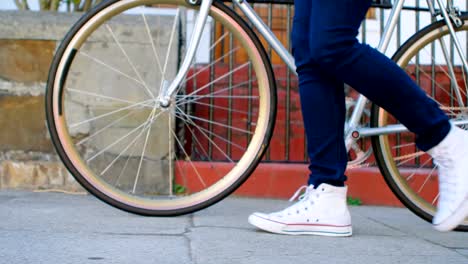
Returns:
<point x="451" y="156"/>
<point x="322" y="211"/>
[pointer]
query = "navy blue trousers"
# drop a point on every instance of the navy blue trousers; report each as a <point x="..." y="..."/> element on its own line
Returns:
<point x="327" y="55"/>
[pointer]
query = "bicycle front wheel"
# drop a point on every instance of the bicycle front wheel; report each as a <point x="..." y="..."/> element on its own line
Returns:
<point x="431" y="59"/>
<point x="125" y="148"/>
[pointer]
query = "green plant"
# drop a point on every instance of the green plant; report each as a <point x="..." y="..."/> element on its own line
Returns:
<point x="53" y="5"/>
<point x="179" y="189"/>
<point x="353" y="201"/>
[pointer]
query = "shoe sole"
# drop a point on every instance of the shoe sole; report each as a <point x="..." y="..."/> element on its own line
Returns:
<point x="299" y="229"/>
<point x="455" y="219"/>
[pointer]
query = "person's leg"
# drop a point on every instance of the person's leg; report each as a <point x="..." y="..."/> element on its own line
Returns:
<point x="323" y="111"/>
<point x="322" y="208"/>
<point x="327" y="54"/>
<point x="322" y="94"/>
<point x="323" y="106"/>
<point x="333" y="45"/>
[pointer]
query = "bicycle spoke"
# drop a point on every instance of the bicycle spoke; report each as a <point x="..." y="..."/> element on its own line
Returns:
<point x="188" y="158"/>
<point x="126" y="164"/>
<point x="198" y="97"/>
<point x="111" y="68"/>
<point x="224" y="89"/>
<point x="404" y="145"/>
<point x="119" y="140"/>
<point x="217" y="123"/>
<point x="207" y="137"/>
<point x="219" y="107"/>
<point x="132" y="143"/>
<point x="143" y="151"/>
<point x="434" y="201"/>
<point x="130" y="61"/>
<point x="194" y="136"/>
<point x="86" y="139"/>
<point x="103" y="96"/>
<point x="452" y="77"/>
<point x="176" y="19"/>
<point x="171" y="160"/>
<point x="109" y="113"/>
<point x="426" y="180"/>
<point x="439" y="86"/>
<point x="155" y="53"/>
<point x="217" y="136"/>
<point x="211" y="64"/>
<point x="459" y="91"/>
<point x="417" y="170"/>
<point x="408" y="157"/>
<point x="198" y="143"/>
<point x="219" y="40"/>
<point x="219" y="78"/>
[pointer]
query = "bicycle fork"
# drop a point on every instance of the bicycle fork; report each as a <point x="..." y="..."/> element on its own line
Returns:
<point x="169" y="88"/>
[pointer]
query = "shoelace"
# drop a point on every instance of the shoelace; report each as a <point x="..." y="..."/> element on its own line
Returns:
<point x="308" y="191"/>
<point x="303" y="194"/>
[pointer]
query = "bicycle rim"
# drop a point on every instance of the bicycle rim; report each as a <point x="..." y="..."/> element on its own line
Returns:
<point x="431" y="60"/>
<point x="126" y="149"/>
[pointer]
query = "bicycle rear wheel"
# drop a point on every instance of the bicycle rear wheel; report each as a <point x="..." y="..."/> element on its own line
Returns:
<point x="121" y="145"/>
<point x="431" y="60"/>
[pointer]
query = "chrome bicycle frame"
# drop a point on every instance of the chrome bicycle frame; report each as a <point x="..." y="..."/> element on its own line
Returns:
<point x="353" y="130"/>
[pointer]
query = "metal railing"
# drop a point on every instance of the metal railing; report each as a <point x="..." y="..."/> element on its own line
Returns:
<point x="288" y="143"/>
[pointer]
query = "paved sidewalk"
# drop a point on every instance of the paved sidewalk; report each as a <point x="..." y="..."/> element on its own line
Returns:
<point x="60" y="228"/>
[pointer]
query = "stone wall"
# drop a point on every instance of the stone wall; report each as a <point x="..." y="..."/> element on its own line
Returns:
<point x="27" y="44"/>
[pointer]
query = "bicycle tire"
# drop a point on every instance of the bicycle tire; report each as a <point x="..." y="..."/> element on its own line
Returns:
<point x="395" y="160"/>
<point x="255" y="82"/>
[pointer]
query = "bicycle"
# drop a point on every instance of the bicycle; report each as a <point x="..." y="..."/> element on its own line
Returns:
<point x="105" y="135"/>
